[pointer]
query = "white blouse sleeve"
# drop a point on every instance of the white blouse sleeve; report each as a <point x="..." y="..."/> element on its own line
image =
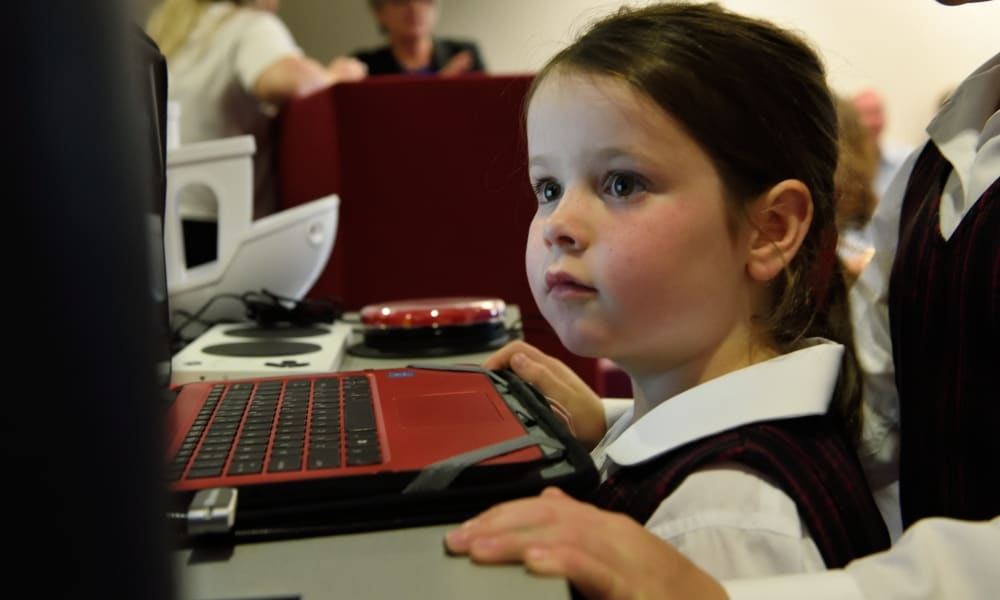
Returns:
<point x="869" y="307"/>
<point x="936" y="559"/>
<point x="263" y="41"/>
<point x="614" y="408"/>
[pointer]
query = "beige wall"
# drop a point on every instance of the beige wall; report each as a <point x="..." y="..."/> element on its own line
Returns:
<point x="884" y="43"/>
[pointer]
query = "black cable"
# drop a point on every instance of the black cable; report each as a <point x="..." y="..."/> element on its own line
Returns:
<point x="175" y="335"/>
<point x="264" y="307"/>
<point x="303" y="312"/>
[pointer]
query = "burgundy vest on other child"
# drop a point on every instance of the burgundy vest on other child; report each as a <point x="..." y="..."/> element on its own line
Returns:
<point x="806" y="457"/>
<point x="944" y="314"/>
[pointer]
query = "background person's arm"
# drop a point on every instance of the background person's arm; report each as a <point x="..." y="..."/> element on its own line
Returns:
<point x="294" y="76"/>
<point x="271" y="66"/>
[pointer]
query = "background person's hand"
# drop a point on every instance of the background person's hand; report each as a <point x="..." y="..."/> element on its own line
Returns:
<point x="605" y="555"/>
<point x="557" y="382"/>
<point x="347" y="68"/>
<point x="462" y="62"/>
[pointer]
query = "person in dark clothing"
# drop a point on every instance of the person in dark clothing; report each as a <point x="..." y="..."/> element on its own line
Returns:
<point x="412" y="47"/>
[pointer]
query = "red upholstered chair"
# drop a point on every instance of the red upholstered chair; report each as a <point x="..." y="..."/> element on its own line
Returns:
<point x="434" y="193"/>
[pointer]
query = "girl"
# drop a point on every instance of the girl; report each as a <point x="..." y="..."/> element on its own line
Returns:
<point x="683" y="158"/>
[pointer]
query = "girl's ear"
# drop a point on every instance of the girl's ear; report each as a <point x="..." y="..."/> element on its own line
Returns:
<point x="780" y="219"/>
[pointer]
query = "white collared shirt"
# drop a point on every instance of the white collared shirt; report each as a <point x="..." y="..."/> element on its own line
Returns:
<point x="967" y="130"/>
<point x="730" y="520"/>
<point x="891" y="158"/>
<point x="936" y="559"/>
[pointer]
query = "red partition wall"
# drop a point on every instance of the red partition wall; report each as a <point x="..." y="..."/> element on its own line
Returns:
<point x="432" y="178"/>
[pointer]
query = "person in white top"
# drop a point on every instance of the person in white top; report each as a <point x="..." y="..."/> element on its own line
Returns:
<point x="607" y="556"/>
<point x="687" y="240"/>
<point x="231" y="65"/>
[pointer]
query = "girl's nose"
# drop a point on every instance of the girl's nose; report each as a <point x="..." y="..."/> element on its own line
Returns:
<point x="567" y="225"/>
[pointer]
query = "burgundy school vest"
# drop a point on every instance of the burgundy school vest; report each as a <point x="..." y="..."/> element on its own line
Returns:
<point x="806" y="457"/>
<point x="944" y="315"/>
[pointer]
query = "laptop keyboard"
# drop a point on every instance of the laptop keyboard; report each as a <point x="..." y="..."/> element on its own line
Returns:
<point x="280" y="426"/>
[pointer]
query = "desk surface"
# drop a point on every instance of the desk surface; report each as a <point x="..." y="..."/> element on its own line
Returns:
<point x="402" y="563"/>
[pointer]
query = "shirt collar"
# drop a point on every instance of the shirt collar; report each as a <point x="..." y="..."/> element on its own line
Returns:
<point x="796" y="384"/>
<point x="962" y="129"/>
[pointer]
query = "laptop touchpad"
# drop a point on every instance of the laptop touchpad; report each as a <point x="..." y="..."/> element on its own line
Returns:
<point x="437" y="410"/>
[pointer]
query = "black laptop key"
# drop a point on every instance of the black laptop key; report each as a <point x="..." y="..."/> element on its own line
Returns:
<point x="284" y="464"/>
<point x="293" y="445"/>
<point x="357" y="457"/>
<point x="362" y="439"/>
<point x="319" y="446"/>
<point x="200" y="472"/>
<point x="327" y="428"/>
<point x="332" y="438"/>
<point x="285" y="452"/>
<point x="223" y="448"/>
<point x="360" y="419"/>
<point x="245" y="467"/>
<point x="212" y="456"/>
<point x="324" y="460"/>
<point x="249" y="456"/>
<point x="255" y="433"/>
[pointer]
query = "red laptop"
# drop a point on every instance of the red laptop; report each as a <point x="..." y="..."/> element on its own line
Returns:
<point x="361" y="450"/>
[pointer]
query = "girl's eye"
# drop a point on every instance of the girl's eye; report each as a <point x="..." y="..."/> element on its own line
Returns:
<point x="547" y="190"/>
<point x="623" y="185"/>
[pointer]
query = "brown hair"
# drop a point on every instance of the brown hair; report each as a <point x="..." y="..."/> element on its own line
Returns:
<point x="755" y="97"/>
<point x="857" y="166"/>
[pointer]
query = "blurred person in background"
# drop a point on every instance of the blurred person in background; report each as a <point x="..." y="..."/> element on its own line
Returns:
<point x="231" y="65"/>
<point x="408" y="26"/>
<point x="871" y="108"/>
<point x="857" y="164"/>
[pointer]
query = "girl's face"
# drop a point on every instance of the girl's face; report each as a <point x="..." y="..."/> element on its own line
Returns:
<point x="632" y="254"/>
<point x="408" y="18"/>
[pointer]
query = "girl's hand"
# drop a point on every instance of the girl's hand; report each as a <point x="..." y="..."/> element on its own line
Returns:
<point x="564" y="389"/>
<point x="605" y="555"/>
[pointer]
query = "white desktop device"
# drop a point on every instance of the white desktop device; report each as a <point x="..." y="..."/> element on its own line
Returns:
<point x="243" y="350"/>
<point x="283" y="253"/>
<point x="246" y="349"/>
